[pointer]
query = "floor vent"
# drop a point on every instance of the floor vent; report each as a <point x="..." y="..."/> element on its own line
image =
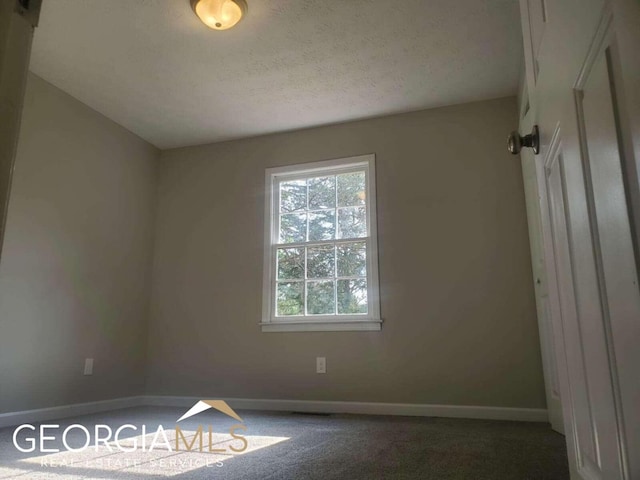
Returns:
<point x="313" y="414"/>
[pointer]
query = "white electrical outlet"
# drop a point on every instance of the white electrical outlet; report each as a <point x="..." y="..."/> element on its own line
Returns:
<point x="88" y="366"/>
<point x="321" y="365"/>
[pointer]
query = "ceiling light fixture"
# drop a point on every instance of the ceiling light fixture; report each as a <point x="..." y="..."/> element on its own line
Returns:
<point x="219" y="14"/>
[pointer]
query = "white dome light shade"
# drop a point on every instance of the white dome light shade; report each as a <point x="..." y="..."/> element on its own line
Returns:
<point x="219" y="14"/>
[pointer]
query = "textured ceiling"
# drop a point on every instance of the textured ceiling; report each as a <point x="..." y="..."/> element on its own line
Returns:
<point x="151" y="66"/>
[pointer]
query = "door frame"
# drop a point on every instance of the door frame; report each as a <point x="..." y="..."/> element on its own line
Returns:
<point x="17" y="23"/>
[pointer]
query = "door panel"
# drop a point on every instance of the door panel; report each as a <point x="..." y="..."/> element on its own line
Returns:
<point x="590" y="392"/>
<point x="582" y="420"/>
<point x="537" y="10"/>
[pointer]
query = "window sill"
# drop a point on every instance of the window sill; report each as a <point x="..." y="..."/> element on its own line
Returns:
<point x="361" y="325"/>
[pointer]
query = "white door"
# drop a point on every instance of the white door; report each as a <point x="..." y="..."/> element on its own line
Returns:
<point x="583" y="81"/>
<point x="544" y="284"/>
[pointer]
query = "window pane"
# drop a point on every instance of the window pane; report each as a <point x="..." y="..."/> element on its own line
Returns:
<point x="290" y="298"/>
<point x="352" y="296"/>
<point x="293" y="196"/>
<point x="322" y="225"/>
<point x="320" y="262"/>
<point x="352" y="260"/>
<point x="352" y="222"/>
<point x="322" y="192"/>
<point x="320" y="298"/>
<point x="290" y="263"/>
<point x="293" y="227"/>
<point x="351" y="189"/>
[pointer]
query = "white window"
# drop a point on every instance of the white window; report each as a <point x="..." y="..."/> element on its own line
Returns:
<point x="321" y="259"/>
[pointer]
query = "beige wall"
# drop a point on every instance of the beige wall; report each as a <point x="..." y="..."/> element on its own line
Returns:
<point x="455" y="277"/>
<point x="74" y="276"/>
<point x="455" y="272"/>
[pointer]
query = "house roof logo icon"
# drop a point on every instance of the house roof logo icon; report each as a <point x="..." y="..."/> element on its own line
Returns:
<point x="203" y="405"/>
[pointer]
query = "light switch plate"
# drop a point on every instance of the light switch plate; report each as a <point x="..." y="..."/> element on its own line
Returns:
<point x="321" y="365"/>
<point x="88" y="366"/>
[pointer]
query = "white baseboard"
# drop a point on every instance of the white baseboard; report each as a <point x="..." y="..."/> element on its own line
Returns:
<point x="366" y="408"/>
<point x="44" y="414"/>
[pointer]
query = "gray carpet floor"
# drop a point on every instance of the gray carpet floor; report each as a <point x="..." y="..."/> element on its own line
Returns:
<point x="297" y="446"/>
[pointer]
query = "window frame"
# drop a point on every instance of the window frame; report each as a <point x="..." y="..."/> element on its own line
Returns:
<point x="370" y="321"/>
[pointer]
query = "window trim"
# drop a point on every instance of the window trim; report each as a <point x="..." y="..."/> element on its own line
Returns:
<point x="320" y="323"/>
